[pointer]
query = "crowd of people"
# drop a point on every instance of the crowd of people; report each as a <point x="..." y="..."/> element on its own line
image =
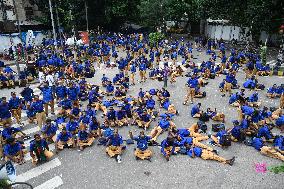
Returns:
<point x="62" y="72"/>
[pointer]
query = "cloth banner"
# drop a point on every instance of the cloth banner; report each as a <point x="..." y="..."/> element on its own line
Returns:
<point x="85" y="37"/>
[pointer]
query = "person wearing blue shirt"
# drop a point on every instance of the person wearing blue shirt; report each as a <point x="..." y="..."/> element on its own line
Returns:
<point x="49" y="131"/>
<point x="27" y="93"/>
<point x="111" y="117"/>
<point x="195" y="111"/>
<point x="192" y="83"/>
<point x="37" y="106"/>
<point x="142" y="71"/>
<point x="132" y="72"/>
<point x="114" y="146"/>
<point x="72" y="126"/>
<point x="60" y="91"/>
<point x="121" y="117"/>
<point x="13" y="151"/>
<point x="265" y="132"/>
<point x="163" y="124"/>
<point x="94" y="127"/>
<point x="142" y="151"/>
<point x="85" y="138"/>
<point x="279" y="143"/>
<point x="259" y="145"/>
<point x="64" y="139"/>
<point x="144" y="120"/>
<point x="48" y="97"/>
<point x="237" y="132"/>
<point x="15" y="106"/>
<point x="168" y="147"/>
<point x="253" y="100"/>
<point x="205" y="154"/>
<point x="109" y="89"/>
<point x="5" y="114"/>
<point x="280" y="122"/>
<point x="104" y="80"/>
<point x="222" y="138"/>
<point x="66" y="106"/>
<point x="39" y="150"/>
<point x="73" y="92"/>
<point x="271" y="91"/>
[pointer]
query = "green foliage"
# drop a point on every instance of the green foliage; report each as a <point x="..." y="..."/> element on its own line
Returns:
<point x="4" y="184"/>
<point x="155" y="38"/>
<point x="277" y="169"/>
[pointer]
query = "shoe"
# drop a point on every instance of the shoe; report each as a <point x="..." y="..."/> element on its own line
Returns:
<point x="184" y="103"/>
<point x="231" y="161"/>
<point x="212" y="143"/>
<point x="223" y="95"/>
<point x="191" y="102"/>
<point x="149" y="159"/>
<point x="215" y="151"/>
<point x="118" y="158"/>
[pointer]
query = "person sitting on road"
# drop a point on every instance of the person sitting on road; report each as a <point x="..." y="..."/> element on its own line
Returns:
<point x="13" y="151"/>
<point x="39" y="150"/>
<point x="169" y="147"/>
<point x="85" y="138"/>
<point x="195" y="111"/>
<point x="142" y="151"/>
<point x="64" y="140"/>
<point x="49" y="131"/>
<point x="114" y="146"/>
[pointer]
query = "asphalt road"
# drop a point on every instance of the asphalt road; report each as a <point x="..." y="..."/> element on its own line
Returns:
<point x="92" y="168"/>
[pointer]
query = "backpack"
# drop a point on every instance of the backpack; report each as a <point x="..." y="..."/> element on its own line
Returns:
<point x="218" y="127"/>
<point x="225" y="140"/>
<point x="204" y="117"/>
<point x="260" y="86"/>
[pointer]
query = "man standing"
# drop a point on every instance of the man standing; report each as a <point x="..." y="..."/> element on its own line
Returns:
<point x="166" y="71"/>
<point x="37" y="107"/>
<point x="5" y="114"/>
<point x="15" y="107"/>
<point x="48" y="97"/>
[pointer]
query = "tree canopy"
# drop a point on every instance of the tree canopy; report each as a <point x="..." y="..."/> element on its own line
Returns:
<point x="258" y="15"/>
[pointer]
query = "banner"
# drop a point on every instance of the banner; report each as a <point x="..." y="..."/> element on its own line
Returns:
<point x="24" y="37"/>
<point x="85" y="37"/>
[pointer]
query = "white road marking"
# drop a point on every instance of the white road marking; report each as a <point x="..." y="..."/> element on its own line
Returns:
<point x="35" y="172"/>
<point x="51" y="184"/>
<point x="31" y="130"/>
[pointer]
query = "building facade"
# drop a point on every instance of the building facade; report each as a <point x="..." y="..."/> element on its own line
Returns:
<point x="27" y="13"/>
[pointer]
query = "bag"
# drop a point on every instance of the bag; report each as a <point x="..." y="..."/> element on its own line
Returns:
<point x="203" y="128"/>
<point x="225" y="140"/>
<point x="182" y="150"/>
<point x="129" y="141"/>
<point x="272" y="109"/>
<point x="248" y="142"/>
<point x="260" y="86"/>
<point x="212" y="76"/>
<point x="204" y="117"/>
<point x="218" y="127"/>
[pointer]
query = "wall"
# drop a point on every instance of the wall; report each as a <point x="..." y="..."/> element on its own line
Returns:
<point x="6" y="39"/>
<point x="233" y="32"/>
<point x="225" y="32"/>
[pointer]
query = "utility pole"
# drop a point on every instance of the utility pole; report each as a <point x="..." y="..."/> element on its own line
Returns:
<point x="87" y="20"/>
<point x="20" y="33"/>
<point x="52" y="21"/>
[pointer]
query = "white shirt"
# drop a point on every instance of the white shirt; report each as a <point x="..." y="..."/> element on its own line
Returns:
<point x="41" y="77"/>
<point x="50" y="79"/>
